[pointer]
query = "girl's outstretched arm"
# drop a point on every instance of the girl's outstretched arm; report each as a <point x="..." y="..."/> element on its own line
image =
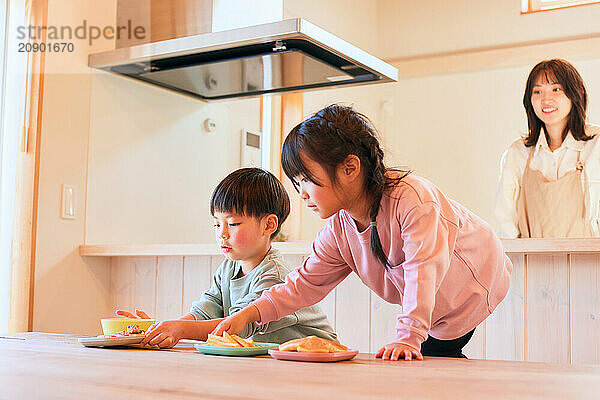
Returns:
<point x="234" y="324"/>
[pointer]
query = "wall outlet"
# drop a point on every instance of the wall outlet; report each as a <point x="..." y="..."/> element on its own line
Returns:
<point x="67" y="203"/>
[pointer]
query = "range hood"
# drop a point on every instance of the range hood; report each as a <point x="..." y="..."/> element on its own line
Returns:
<point x="288" y="55"/>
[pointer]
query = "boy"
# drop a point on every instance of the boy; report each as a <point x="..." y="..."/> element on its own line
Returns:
<point x="248" y="208"/>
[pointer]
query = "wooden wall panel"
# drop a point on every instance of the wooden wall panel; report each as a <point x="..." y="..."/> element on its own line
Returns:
<point x="122" y="282"/>
<point x="547" y="307"/>
<point x="585" y="308"/>
<point x="505" y="328"/>
<point x="144" y="291"/>
<point x="196" y="279"/>
<point x="383" y="322"/>
<point x="169" y="288"/>
<point x="353" y="312"/>
<point x="215" y="262"/>
<point x="328" y="307"/>
<point x="476" y="348"/>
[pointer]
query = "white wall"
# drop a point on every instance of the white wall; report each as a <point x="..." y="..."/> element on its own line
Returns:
<point x="452" y="120"/>
<point x="355" y="21"/>
<point x="413" y="28"/>
<point x="70" y="293"/>
<point x="152" y="166"/>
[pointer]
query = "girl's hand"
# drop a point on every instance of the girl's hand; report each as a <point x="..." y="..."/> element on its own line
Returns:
<point x="398" y="351"/>
<point x="236" y="323"/>
<point x="140" y="314"/>
<point x="165" y="334"/>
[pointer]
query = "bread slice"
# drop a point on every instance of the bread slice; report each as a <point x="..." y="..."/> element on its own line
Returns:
<point x="230" y="339"/>
<point x="335" y="347"/>
<point x="290" y="345"/>
<point x="243" y="342"/>
<point x="313" y="344"/>
<point x="219" y="341"/>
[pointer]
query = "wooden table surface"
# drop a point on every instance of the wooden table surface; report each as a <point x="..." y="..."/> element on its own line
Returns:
<point x="41" y="365"/>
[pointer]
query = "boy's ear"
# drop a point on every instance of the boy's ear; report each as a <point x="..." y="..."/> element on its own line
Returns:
<point x="271" y="224"/>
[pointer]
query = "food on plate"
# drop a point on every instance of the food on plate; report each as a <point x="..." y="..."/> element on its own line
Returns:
<point x="130" y="330"/>
<point x="313" y="344"/>
<point x="228" y="340"/>
<point x="291" y="345"/>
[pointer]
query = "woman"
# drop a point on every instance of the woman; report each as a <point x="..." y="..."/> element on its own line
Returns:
<point x="550" y="179"/>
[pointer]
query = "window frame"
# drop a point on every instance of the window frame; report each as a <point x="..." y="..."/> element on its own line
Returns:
<point x="535" y="6"/>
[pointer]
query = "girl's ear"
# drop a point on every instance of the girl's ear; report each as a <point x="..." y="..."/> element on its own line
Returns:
<point x="270" y="223"/>
<point x="350" y="167"/>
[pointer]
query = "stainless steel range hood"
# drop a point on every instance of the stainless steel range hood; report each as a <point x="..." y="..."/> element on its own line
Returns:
<point x="288" y="55"/>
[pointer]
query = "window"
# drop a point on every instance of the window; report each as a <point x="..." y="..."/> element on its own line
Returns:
<point x="529" y="6"/>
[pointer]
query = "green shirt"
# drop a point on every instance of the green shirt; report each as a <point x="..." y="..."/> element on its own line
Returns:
<point x="228" y="295"/>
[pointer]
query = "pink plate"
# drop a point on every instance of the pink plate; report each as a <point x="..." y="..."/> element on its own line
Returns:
<point x="314" y="357"/>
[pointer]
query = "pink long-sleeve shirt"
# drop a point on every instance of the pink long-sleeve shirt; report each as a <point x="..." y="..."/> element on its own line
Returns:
<point x="449" y="270"/>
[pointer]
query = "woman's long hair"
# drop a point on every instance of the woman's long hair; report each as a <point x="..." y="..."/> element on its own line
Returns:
<point x="563" y="72"/>
<point x="328" y="138"/>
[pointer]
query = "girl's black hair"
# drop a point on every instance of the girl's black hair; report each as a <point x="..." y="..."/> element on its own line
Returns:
<point x="566" y="75"/>
<point x="328" y="137"/>
<point x="253" y="192"/>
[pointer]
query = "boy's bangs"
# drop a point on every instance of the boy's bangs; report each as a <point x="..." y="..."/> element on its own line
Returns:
<point x="227" y="201"/>
<point x="291" y="161"/>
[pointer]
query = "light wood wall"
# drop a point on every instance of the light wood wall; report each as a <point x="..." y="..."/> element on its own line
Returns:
<point x="551" y="312"/>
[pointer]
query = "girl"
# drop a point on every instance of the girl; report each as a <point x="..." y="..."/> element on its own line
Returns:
<point x="550" y="179"/>
<point x="399" y="233"/>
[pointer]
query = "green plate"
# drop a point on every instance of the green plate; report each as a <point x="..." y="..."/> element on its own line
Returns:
<point x="236" y="351"/>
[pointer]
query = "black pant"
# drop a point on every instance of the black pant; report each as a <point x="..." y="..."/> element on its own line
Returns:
<point x="446" y="348"/>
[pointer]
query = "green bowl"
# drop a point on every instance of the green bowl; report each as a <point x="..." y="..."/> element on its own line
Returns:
<point x="111" y="326"/>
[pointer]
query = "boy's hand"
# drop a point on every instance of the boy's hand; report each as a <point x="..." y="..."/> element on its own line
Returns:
<point x="165" y="334"/>
<point x="236" y="323"/>
<point x="398" y="351"/>
<point x="140" y="314"/>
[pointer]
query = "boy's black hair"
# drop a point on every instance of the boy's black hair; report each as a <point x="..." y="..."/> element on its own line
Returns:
<point x="251" y="192"/>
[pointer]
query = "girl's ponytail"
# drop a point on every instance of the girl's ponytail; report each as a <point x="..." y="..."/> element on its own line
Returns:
<point x="377" y="183"/>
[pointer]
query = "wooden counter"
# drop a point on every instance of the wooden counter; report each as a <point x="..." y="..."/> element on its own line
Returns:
<point x="48" y="366"/>
<point x="303" y="248"/>
<point x="550" y="314"/>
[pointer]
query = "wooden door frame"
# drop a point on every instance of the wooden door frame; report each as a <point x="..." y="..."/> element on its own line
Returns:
<point x="27" y="180"/>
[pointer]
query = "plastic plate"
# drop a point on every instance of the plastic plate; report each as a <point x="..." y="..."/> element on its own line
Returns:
<point x="313" y="357"/>
<point x="107" y="341"/>
<point x="236" y="351"/>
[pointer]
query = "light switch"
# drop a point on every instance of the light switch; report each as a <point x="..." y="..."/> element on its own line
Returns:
<point x="68" y="202"/>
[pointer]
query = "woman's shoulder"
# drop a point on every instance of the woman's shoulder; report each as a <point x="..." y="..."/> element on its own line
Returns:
<point x="515" y="156"/>
<point x="593" y="130"/>
<point x="592" y="147"/>
<point x="517" y="147"/>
